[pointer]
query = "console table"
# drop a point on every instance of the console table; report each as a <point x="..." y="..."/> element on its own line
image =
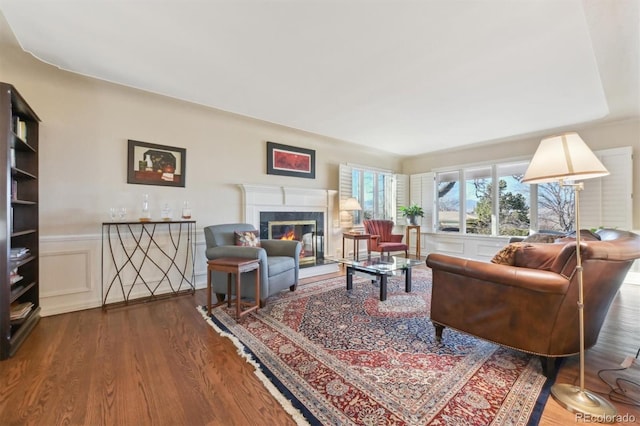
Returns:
<point x="143" y="261"/>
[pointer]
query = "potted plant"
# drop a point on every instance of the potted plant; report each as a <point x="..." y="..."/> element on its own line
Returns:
<point x="411" y="213"/>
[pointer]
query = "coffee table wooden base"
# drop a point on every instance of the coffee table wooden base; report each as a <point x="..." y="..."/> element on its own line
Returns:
<point x="237" y="266"/>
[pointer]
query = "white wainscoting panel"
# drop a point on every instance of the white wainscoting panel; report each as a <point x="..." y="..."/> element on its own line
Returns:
<point x="469" y="246"/>
<point x="71" y="272"/>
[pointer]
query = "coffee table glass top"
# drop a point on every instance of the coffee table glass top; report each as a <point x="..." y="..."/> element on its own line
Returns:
<point x="382" y="265"/>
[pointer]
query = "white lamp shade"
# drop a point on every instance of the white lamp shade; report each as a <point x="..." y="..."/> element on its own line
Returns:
<point x="563" y="157"/>
<point x="351" y="204"/>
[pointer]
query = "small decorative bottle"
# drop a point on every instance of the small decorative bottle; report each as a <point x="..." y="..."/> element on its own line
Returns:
<point x="166" y="212"/>
<point x="147" y="160"/>
<point x="186" y="210"/>
<point x="146" y="212"/>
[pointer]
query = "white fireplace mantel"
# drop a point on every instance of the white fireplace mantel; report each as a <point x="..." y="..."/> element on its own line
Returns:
<point x="259" y="198"/>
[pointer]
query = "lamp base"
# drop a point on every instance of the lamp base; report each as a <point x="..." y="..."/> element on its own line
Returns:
<point x="575" y="400"/>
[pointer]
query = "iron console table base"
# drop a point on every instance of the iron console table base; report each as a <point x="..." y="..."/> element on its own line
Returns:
<point x="132" y="246"/>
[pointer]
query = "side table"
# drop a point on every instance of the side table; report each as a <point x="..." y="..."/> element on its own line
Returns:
<point x="417" y="229"/>
<point x="237" y="266"/>
<point x="356" y="243"/>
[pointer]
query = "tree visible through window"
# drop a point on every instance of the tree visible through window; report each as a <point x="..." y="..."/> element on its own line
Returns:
<point x="513" y="209"/>
<point x="556" y="207"/>
<point x="484" y="213"/>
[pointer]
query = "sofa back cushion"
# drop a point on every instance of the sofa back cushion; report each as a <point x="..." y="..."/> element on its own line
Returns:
<point x="539" y="256"/>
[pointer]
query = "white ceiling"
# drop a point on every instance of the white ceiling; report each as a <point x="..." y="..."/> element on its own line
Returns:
<point x="408" y="77"/>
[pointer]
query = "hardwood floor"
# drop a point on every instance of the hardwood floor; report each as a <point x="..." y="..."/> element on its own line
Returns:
<point x="160" y="363"/>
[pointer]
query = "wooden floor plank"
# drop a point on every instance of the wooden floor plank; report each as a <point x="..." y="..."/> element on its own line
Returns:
<point x="161" y="363"/>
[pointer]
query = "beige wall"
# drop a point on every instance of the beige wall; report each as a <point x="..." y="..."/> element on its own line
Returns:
<point x="83" y="148"/>
<point x="597" y="136"/>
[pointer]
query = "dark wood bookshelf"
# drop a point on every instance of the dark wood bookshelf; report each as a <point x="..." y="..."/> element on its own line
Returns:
<point x="19" y="139"/>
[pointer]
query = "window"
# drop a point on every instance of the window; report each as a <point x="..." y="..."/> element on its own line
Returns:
<point x="479" y="217"/>
<point x="605" y="202"/>
<point x="374" y="190"/>
<point x="448" y="184"/>
<point x="556" y="207"/>
<point x="487" y="211"/>
<point x="514" y="213"/>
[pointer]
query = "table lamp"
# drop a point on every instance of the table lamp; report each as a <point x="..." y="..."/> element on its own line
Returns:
<point x="350" y="205"/>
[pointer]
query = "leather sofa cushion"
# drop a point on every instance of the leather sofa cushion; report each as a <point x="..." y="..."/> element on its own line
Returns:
<point x="585" y="235"/>
<point x="537" y="255"/>
<point x="541" y="238"/>
<point x="557" y="257"/>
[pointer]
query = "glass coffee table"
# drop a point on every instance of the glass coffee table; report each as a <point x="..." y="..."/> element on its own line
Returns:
<point x="381" y="268"/>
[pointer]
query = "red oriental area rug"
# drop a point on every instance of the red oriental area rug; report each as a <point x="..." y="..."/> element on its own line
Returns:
<point x="333" y="356"/>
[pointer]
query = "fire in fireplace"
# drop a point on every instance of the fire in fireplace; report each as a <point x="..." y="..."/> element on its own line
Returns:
<point x="306" y="227"/>
<point x="299" y="230"/>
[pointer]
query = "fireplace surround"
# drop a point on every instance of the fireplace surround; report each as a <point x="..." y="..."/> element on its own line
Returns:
<point x="298" y="204"/>
<point x="306" y="227"/>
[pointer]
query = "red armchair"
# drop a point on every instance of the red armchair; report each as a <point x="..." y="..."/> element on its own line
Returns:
<point x="382" y="240"/>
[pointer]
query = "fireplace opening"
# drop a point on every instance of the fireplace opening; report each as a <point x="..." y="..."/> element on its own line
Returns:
<point x="306" y="227"/>
<point x="298" y="230"/>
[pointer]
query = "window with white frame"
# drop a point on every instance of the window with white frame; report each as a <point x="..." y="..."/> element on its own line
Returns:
<point x="467" y="200"/>
<point x="495" y="200"/>
<point x="374" y="189"/>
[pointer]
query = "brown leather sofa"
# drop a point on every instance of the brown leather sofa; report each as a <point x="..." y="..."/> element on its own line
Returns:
<point x="530" y="304"/>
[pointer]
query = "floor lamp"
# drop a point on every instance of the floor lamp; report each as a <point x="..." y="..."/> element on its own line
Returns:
<point x="563" y="158"/>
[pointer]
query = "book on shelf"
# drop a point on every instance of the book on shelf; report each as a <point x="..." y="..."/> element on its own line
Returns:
<point x="14" y="277"/>
<point x="19" y="253"/>
<point x="20" y="128"/>
<point x="14" y="190"/>
<point x="12" y="155"/>
<point x="20" y="310"/>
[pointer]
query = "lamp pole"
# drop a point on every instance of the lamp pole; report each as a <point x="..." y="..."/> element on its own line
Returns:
<point x="573" y="398"/>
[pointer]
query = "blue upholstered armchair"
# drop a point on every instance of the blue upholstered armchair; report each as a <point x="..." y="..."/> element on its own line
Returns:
<point x="279" y="261"/>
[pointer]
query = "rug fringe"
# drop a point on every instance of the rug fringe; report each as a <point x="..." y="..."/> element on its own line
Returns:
<point x="284" y="402"/>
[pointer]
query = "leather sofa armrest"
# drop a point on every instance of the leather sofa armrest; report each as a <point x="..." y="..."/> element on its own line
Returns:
<point x="513" y="276"/>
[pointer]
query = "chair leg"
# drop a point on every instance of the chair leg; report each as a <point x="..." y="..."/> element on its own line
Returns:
<point x="439" y="329"/>
<point x="293" y="287"/>
<point x="548" y="365"/>
<point x="220" y="297"/>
